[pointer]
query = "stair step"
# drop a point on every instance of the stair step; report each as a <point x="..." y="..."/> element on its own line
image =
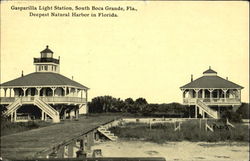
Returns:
<point x="102" y="129"/>
<point x="108" y="134"/>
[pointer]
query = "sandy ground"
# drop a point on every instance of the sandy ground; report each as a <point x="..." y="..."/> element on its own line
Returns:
<point x="177" y="150"/>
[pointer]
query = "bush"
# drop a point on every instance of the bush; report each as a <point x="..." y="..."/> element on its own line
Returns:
<point x="244" y="111"/>
<point x="231" y="116"/>
<point x="190" y="131"/>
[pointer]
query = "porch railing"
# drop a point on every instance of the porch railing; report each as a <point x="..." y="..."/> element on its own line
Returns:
<point x="49" y="99"/>
<point x="212" y="100"/>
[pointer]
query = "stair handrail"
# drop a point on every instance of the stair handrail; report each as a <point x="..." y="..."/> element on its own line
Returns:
<point x="12" y="106"/>
<point x="51" y="114"/>
<point x="56" y="112"/>
<point x="42" y="103"/>
<point x="207" y="109"/>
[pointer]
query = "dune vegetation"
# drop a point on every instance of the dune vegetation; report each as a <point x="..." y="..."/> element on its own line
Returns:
<point x="192" y="130"/>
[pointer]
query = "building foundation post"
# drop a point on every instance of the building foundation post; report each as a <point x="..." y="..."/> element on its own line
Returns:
<point x="195" y="111"/>
<point x="64" y="115"/>
<point x="42" y="118"/>
<point x="11" y="117"/>
<point x="60" y="152"/>
<point x="71" y="149"/>
<point x="15" y="115"/>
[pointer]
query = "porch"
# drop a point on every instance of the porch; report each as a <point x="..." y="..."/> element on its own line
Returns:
<point x="212" y="101"/>
<point x="47" y="99"/>
<point x="212" y="96"/>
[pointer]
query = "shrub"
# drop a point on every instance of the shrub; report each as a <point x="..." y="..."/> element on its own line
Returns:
<point x="190" y="131"/>
<point x="231" y="116"/>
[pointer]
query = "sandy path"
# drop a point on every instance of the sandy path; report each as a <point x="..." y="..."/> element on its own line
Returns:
<point x="177" y="150"/>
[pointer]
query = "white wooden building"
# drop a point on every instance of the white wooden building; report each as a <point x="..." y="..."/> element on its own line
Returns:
<point x="210" y="93"/>
<point x="44" y="94"/>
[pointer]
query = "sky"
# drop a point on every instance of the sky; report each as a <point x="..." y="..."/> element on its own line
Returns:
<point x="147" y="53"/>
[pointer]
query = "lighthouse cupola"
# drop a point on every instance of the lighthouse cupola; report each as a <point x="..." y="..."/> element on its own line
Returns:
<point x="46" y="53"/>
<point x="46" y="63"/>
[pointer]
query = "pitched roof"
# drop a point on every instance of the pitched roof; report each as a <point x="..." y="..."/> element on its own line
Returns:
<point x="211" y="82"/>
<point x="43" y="79"/>
<point x="47" y="50"/>
<point x="209" y="71"/>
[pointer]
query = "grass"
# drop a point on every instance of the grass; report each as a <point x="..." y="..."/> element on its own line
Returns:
<point x="190" y="131"/>
<point x="8" y="127"/>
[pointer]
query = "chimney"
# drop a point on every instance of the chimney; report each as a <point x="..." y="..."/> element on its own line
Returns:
<point x="209" y="67"/>
<point x="226" y="78"/>
<point x="22" y="74"/>
<point x="191" y="77"/>
<point x="72" y="77"/>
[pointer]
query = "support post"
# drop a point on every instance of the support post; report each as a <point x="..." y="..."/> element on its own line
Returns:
<point x="5" y="89"/>
<point x="203" y="93"/>
<point x="183" y="93"/>
<point x="11" y="117"/>
<point x="60" y="152"/>
<point x="15" y="115"/>
<point x="69" y="91"/>
<point x="10" y="91"/>
<point x="211" y="96"/>
<point x="42" y="118"/>
<point x="38" y="91"/>
<point x="77" y="113"/>
<point x="71" y="149"/>
<point x="196" y="93"/>
<point x="24" y="91"/>
<point x="64" y="115"/>
<point x="86" y="92"/>
<point x="225" y="94"/>
<point x="239" y="94"/>
<point x="196" y="111"/>
<point x="44" y="92"/>
<point x="82" y="146"/>
<point x="53" y="91"/>
<point x="65" y="91"/>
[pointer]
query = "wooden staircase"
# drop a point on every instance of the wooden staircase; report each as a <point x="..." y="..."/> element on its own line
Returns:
<point x="212" y="113"/>
<point x="103" y="130"/>
<point x="47" y="109"/>
<point x="13" y="106"/>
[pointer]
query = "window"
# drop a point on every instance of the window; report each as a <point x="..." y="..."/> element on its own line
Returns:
<point x="43" y="55"/>
<point x="52" y="67"/>
<point x="55" y="68"/>
<point x="39" y="68"/>
<point x="46" y="67"/>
